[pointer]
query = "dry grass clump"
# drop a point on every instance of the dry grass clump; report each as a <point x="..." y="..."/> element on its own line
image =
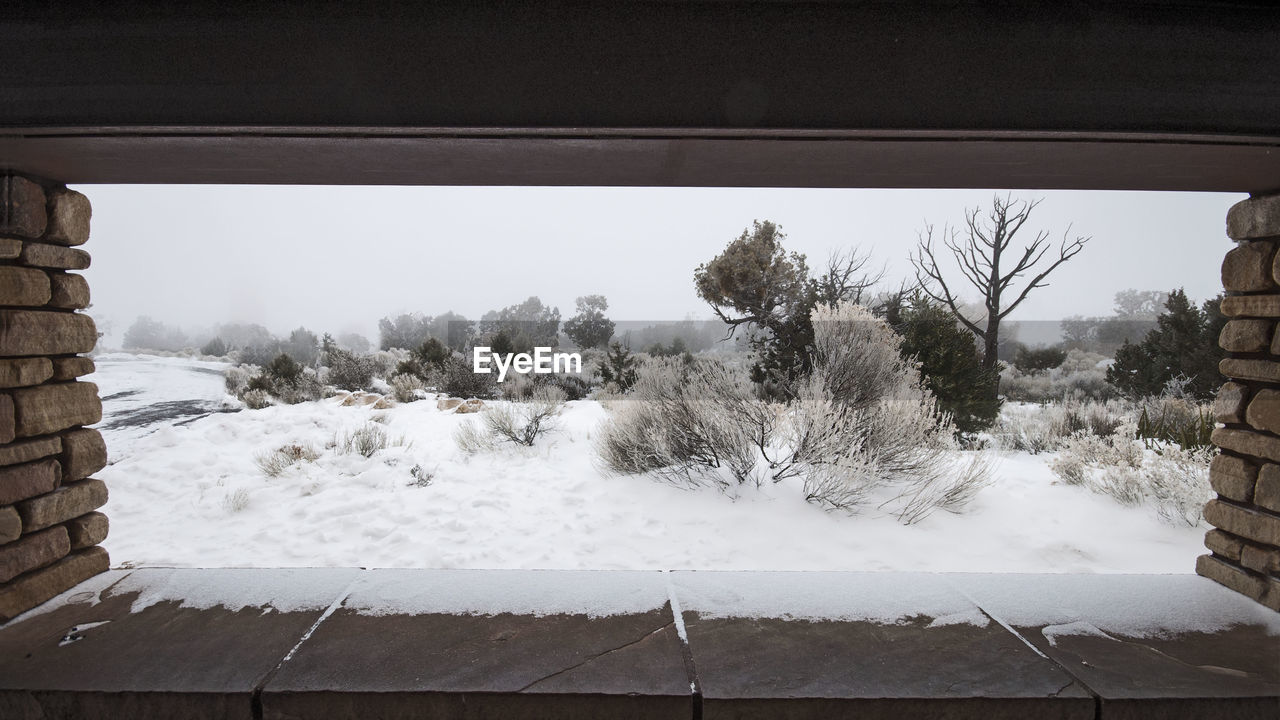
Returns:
<point x="282" y="458"/>
<point x="365" y="441"/>
<point x="518" y="423"/>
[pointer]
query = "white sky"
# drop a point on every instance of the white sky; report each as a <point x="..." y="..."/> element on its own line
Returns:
<point x="336" y="259"/>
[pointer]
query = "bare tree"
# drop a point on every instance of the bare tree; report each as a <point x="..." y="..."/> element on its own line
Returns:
<point x="981" y="257"/>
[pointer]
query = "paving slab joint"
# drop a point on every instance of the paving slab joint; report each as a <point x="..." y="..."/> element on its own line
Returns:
<point x="686" y="652"/>
<point x="1097" y="698"/>
<point x="255" y="699"/>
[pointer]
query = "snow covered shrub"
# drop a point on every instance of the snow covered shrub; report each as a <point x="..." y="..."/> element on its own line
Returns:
<point x="1173" y="479"/>
<point x="215" y="347"/>
<point x="517" y="388"/>
<point x="1175" y="418"/>
<point x="237" y="379"/>
<point x="459" y="380"/>
<point x="1045" y="428"/>
<point x="405" y="387"/>
<point x="683" y="425"/>
<point x="234" y="502"/>
<point x="364" y="441"/>
<point x="862" y="426"/>
<point x="574" y="387"/>
<point x="522" y="423"/>
<point x="471" y="439"/>
<point x="256" y="399"/>
<point x="1082" y="375"/>
<point x="282" y="458"/>
<point x="421" y="476"/>
<point x="347" y="370"/>
<point x="864" y="420"/>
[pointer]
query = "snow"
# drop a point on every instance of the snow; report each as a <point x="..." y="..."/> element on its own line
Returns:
<point x="884" y="598"/>
<point x="286" y="590"/>
<point x="1134" y="606"/>
<point x="175" y="481"/>
<point x="494" y="592"/>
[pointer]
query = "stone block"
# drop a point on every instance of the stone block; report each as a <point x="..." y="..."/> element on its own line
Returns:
<point x="1246" y="442"/>
<point x="68" y="291"/>
<point x="36" y="587"/>
<point x="87" y="530"/>
<point x="70" y="368"/>
<point x="1267" y="492"/>
<point x="45" y="332"/>
<point x="1243" y="336"/>
<point x="1233" y="477"/>
<point x="69" y="214"/>
<point x="1247" y="268"/>
<point x="1256" y="217"/>
<point x="28" y="450"/>
<point x="24" y="372"/>
<point x="1263" y="306"/>
<point x="8" y="427"/>
<point x="10" y="525"/>
<point x="19" y="482"/>
<point x="54" y="257"/>
<point x="33" y="551"/>
<point x="23" y="286"/>
<point x="1228" y="406"/>
<point x="1224" y="544"/>
<point x="1260" y="559"/>
<point x="47" y="409"/>
<point x="10" y="248"/>
<point x="61" y="505"/>
<point x="1243" y="582"/>
<point x="1245" y="522"/>
<point x="84" y="453"/>
<point x="22" y="207"/>
<point x="1264" y="411"/>
<point x="1243" y="369"/>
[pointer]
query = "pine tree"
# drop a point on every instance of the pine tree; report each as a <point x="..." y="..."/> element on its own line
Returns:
<point x="1183" y="345"/>
<point x="619" y="367"/>
<point x="950" y="363"/>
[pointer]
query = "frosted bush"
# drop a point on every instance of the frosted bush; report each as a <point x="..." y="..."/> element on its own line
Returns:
<point x="307" y="387"/>
<point x="876" y="423"/>
<point x="405" y="387"/>
<point x="522" y="423"/>
<point x="1045" y="428"/>
<point x="1082" y="375"/>
<point x="861" y="426"/>
<point x="237" y="501"/>
<point x="517" y="388"/>
<point x="237" y="379"/>
<point x="256" y="399"/>
<point x="277" y="461"/>
<point x="364" y="441"/>
<point x="471" y="439"/>
<point x="1172" y="479"/>
<point x="682" y="425"/>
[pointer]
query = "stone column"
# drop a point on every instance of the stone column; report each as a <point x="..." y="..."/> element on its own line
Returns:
<point x="1245" y="543"/>
<point x="49" y="532"/>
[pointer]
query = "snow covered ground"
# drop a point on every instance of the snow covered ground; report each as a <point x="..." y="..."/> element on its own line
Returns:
<point x="186" y="491"/>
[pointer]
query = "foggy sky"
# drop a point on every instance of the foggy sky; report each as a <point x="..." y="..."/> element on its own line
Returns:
<point x="336" y="259"/>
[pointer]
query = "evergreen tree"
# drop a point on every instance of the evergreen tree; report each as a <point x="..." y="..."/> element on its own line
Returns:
<point x="1183" y="345"/>
<point x="949" y="360"/>
<point x="619" y="367"/>
<point x="590" y="328"/>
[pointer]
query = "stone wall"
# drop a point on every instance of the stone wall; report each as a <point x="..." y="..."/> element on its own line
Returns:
<point x="49" y="530"/>
<point x="1245" y="543"/>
